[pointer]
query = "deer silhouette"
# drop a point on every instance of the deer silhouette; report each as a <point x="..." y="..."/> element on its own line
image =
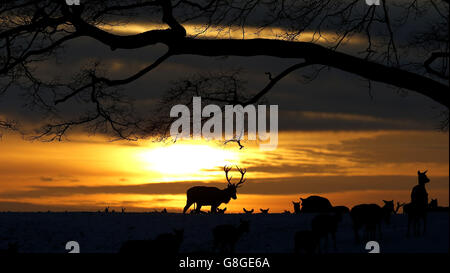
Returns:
<point x="315" y="204"/>
<point x="264" y="211"/>
<point x="370" y="216"/>
<point x="163" y="243"/>
<point x="296" y="207"/>
<point x="221" y="211"/>
<point x="340" y="209"/>
<point x="324" y="225"/>
<point x="226" y="236"/>
<point x="388" y="210"/>
<point x="248" y="211"/>
<point x="212" y="196"/>
<point x="286" y="212"/>
<point x="433" y="207"/>
<point x="417" y="208"/>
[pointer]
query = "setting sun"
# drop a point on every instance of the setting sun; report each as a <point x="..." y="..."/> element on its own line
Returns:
<point x="186" y="159"/>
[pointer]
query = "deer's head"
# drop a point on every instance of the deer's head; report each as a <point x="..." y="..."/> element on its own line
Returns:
<point x="389" y="206"/>
<point x="232" y="187"/>
<point x="423" y="179"/>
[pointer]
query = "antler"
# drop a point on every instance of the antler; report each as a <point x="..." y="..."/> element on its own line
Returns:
<point x="242" y="171"/>
<point x="226" y="170"/>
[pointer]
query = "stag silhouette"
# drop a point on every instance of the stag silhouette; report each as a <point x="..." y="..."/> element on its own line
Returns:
<point x="212" y="196"/>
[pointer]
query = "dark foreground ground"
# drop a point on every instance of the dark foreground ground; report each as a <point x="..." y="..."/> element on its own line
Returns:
<point x="273" y="233"/>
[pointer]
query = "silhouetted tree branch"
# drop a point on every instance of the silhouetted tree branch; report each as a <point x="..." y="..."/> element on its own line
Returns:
<point x="34" y="31"/>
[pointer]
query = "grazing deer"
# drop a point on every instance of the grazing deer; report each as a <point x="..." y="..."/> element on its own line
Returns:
<point x="387" y="210"/>
<point x="163" y="243"/>
<point x="248" y="211"/>
<point x="370" y="216"/>
<point x="417" y="209"/>
<point x="315" y="204"/>
<point x="341" y="210"/>
<point x="296" y="207"/>
<point x="264" y="211"/>
<point x="221" y="211"/>
<point x="323" y="225"/>
<point x="433" y="207"/>
<point x="226" y="236"/>
<point x="212" y="196"/>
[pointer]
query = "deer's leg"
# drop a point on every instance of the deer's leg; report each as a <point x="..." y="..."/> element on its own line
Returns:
<point x="188" y="204"/>
<point x="417" y="226"/>
<point x="320" y="245"/>
<point x="214" y="208"/>
<point x="409" y="225"/>
<point x="379" y="231"/>
<point x="355" y="230"/>
<point x="199" y="207"/>
<point x="424" y="223"/>
<point x="333" y="236"/>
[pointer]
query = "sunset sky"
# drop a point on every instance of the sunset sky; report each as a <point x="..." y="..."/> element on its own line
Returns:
<point x="337" y="139"/>
<point x="347" y="167"/>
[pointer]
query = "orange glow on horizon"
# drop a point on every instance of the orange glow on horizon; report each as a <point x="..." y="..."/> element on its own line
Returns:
<point x="90" y="173"/>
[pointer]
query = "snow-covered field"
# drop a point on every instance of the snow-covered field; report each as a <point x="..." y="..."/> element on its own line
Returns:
<point x="273" y="233"/>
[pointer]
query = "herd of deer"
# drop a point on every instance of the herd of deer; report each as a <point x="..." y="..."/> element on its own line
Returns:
<point x="325" y="221"/>
<point x="323" y="225"/>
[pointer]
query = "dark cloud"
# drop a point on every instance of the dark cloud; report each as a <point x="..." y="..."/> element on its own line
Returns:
<point x="273" y="186"/>
<point x="46" y="179"/>
<point x="417" y="148"/>
<point x="302" y="168"/>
